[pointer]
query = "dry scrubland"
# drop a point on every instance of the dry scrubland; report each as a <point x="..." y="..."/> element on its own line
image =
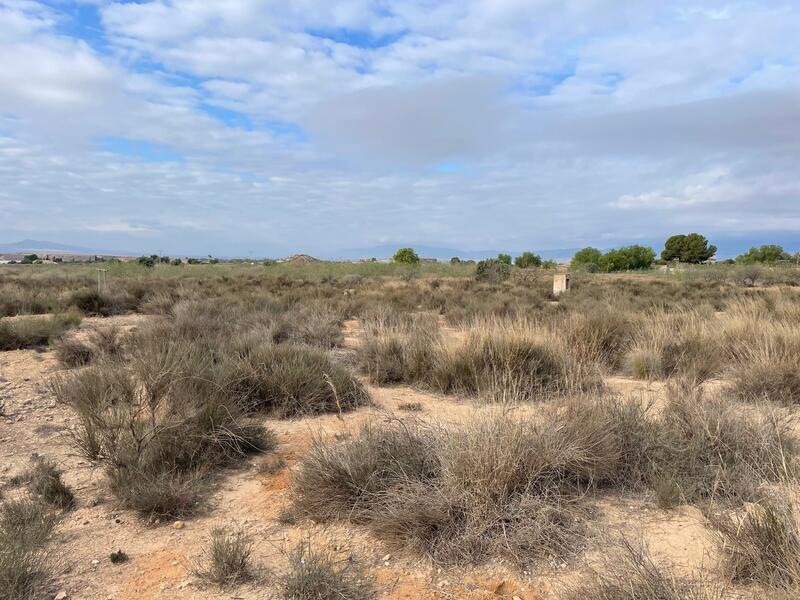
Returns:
<point x="332" y="431"/>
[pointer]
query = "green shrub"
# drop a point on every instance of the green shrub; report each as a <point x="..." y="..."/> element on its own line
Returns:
<point x="527" y="260"/>
<point x="492" y="271"/>
<point x="406" y="256"/>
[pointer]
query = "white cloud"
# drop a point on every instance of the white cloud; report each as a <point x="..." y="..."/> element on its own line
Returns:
<point x="461" y="122"/>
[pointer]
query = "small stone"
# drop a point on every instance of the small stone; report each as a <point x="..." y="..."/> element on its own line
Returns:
<point x="62" y="595"/>
<point x="178" y="525"/>
<point x="95" y="562"/>
<point x="386" y="558"/>
<point x="443" y="583"/>
<point x="516" y="598"/>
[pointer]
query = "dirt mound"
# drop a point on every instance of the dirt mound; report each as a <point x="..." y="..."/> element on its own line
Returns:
<point x="300" y="258"/>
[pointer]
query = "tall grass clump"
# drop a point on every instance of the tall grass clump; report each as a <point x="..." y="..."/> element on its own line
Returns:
<point x="43" y="479"/>
<point x="631" y="573"/>
<point x="710" y="448"/>
<point x="761" y="547"/>
<point x="287" y="380"/>
<point x="34" y="332"/>
<point x="25" y="569"/>
<point x="396" y="350"/>
<point x="666" y="345"/>
<point x="228" y="560"/>
<point x="511" y="359"/>
<point x="318" y="574"/>
<point x="158" y="426"/>
<point x="764" y="353"/>
<point x="495" y="485"/>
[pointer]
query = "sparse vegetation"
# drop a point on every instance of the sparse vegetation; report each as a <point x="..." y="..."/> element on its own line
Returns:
<point x="318" y="574"/>
<point x="25" y="528"/>
<point x="228" y="560"/>
<point x="528" y="417"/>
<point x="761" y="547"/>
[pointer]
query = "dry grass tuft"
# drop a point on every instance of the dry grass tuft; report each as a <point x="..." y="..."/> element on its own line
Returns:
<point x="25" y="528"/>
<point x="228" y="559"/>
<point x="632" y="574"/>
<point x="316" y="574"/>
<point x="761" y="547"/>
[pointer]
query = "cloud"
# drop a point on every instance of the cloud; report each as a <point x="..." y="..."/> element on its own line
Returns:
<point x="316" y="125"/>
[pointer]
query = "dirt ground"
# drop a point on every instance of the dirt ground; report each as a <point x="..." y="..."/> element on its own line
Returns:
<point x="163" y="557"/>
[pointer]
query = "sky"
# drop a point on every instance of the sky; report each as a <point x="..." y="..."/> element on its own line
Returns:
<point x="268" y="127"/>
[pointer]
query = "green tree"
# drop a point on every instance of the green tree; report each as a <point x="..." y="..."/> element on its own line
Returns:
<point x="627" y="258"/>
<point x="146" y="261"/>
<point x="29" y="259"/>
<point x="769" y="253"/>
<point x="455" y="261"/>
<point x="691" y="248"/>
<point x="587" y="259"/>
<point x="406" y="256"/>
<point x="504" y="258"/>
<point x="527" y="260"/>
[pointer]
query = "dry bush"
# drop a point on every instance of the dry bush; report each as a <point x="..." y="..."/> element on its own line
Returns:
<point x="160" y="435"/>
<point x="228" y="559"/>
<point x="104" y="342"/>
<point x="288" y="381"/>
<point x="600" y="335"/>
<point x="761" y="547"/>
<point x="504" y="360"/>
<point x="33" y="332"/>
<point x="25" y="528"/>
<point x="72" y="352"/>
<point x="683" y="344"/>
<point x="496" y="485"/>
<point x="710" y="448"/>
<point x="396" y="350"/>
<point x="318" y="574"/>
<point x="500" y="484"/>
<point x="43" y="479"/>
<point x="631" y="574"/>
<point x="104" y="304"/>
<point x="764" y="357"/>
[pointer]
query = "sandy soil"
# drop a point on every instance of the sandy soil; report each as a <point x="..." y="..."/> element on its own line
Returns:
<point x="163" y="557"/>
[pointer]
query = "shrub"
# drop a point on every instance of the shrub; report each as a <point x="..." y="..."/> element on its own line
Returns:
<point x="159" y="424"/>
<point x="319" y="575"/>
<point x="527" y="260"/>
<point x="769" y="253"/>
<point x="710" y="448"/>
<point x="25" y="527"/>
<point x="44" y="481"/>
<point x="406" y="256"/>
<point x="92" y="302"/>
<point x="29" y="523"/>
<point x="761" y="547"/>
<point x="33" y="332"/>
<point x="400" y="353"/>
<point x="632" y="574"/>
<point x="496" y="485"/>
<point x="228" y="560"/>
<point x="492" y="271"/>
<point x="288" y="380"/>
<point x="72" y="352"/>
<point x="504" y="259"/>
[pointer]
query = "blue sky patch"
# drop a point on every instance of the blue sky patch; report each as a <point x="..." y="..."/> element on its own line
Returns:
<point x="140" y="149"/>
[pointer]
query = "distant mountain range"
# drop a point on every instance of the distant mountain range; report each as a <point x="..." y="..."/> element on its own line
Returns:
<point x="43" y="246"/>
